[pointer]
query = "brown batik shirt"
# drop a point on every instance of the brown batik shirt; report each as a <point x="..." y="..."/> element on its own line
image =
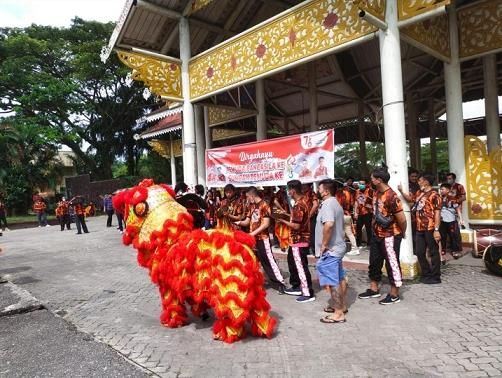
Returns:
<point x="388" y="204"/>
<point x="425" y="208"/>
<point x="257" y="212"/>
<point x="300" y="215"/>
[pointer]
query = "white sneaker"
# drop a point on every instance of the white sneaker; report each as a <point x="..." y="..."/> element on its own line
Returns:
<point x="353" y="252"/>
<point x="39" y="226"/>
<point x="47" y="225"/>
<point x="6" y="229"/>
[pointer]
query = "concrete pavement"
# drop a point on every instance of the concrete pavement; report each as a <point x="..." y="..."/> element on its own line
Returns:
<point x="94" y="283"/>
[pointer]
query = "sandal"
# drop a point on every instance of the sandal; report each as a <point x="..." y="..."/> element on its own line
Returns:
<point x="331" y="310"/>
<point x="329" y="320"/>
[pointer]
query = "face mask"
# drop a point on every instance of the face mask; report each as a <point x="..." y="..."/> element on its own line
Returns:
<point x="362" y="187"/>
<point x="449" y="181"/>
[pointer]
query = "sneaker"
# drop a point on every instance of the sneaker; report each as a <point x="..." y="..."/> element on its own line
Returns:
<point x="304" y="299"/>
<point x="369" y="294"/>
<point x="47" y="225"/>
<point x="293" y="291"/>
<point x="6" y="229"/>
<point x="353" y="252"/>
<point x="281" y="290"/>
<point x="389" y="299"/>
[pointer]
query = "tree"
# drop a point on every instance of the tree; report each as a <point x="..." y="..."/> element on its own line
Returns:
<point x="30" y="162"/>
<point x="348" y="163"/>
<point x="54" y="78"/>
<point x="442" y="158"/>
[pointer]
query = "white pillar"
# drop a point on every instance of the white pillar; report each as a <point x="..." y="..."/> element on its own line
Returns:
<point x="454" y="114"/>
<point x="412" y="131"/>
<point x="261" y="117"/>
<point x="432" y="134"/>
<point x="189" y="152"/>
<point x="200" y="140"/>
<point x="394" y="125"/>
<point x="313" y="111"/>
<point x="172" y="160"/>
<point x="207" y="130"/>
<point x="491" y="102"/>
<point x="362" y="140"/>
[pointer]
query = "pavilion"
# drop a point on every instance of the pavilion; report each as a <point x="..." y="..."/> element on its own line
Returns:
<point x="373" y="70"/>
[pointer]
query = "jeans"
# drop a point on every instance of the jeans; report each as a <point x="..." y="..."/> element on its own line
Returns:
<point x="42" y="219"/>
<point x="120" y="220"/>
<point x="109" y="213"/>
<point x="80" y="222"/>
<point x="3" y="220"/>
<point x="64" y="220"/>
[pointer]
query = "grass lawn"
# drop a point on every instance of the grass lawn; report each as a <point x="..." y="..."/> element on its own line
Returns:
<point x="26" y="218"/>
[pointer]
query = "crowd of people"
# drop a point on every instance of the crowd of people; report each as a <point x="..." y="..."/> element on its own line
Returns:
<point x="339" y="219"/>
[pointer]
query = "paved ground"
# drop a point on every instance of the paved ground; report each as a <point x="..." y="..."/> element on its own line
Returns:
<point x="94" y="283"/>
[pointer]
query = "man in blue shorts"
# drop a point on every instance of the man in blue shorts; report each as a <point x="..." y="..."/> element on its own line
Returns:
<point x="330" y="244"/>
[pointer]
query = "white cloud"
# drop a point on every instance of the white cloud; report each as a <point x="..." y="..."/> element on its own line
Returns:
<point x="21" y="13"/>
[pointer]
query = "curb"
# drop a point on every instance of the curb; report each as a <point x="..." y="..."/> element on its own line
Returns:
<point x="25" y="301"/>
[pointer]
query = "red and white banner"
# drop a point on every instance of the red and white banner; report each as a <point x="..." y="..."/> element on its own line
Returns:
<point x="307" y="157"/>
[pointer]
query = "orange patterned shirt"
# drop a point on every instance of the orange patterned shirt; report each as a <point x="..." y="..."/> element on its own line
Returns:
<point x="257" y="213"/>
<point x="79" y="209"/>
<point x="310" y="199"/>
<point x="235" y="208"/>
<point x="62" y="208"/>
<point x="300" y="215"/>
<point x="388" y="205"/>
<point x="364" y="201"/>
<point x="39" y="206"/>
<point x="457" y="190"/>
<point x="425" y="207"/>
<point x="345" y="198"/>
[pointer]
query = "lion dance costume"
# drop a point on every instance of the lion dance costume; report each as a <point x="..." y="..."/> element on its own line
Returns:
<point x="203" y="269"/>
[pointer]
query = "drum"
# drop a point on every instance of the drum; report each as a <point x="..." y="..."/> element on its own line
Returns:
<point x="493" y="259"/>
<point x="484" y="238"/>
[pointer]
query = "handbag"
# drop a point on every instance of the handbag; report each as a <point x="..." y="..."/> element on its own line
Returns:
<point x="382" y="220"/>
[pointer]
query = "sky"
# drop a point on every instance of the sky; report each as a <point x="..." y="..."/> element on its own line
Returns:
<point x="21" y="13"/>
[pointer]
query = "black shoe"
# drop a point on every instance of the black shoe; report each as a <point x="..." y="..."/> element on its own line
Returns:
<point x="78" y="233"/>
<point x="204" y="316"/>
<point x="432" y="281"/>
<point x="389" y="299"/>
<point x="369" y="294"/>
<point x="281" y="290"/>
<point x="86" y="232"/>
<point x="293" y="291"/>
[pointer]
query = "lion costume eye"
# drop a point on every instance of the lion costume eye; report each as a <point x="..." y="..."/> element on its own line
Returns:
<point x="140" y="209"/>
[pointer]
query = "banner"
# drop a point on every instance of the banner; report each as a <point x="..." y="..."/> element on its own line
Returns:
<point x="307" y="157"/>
